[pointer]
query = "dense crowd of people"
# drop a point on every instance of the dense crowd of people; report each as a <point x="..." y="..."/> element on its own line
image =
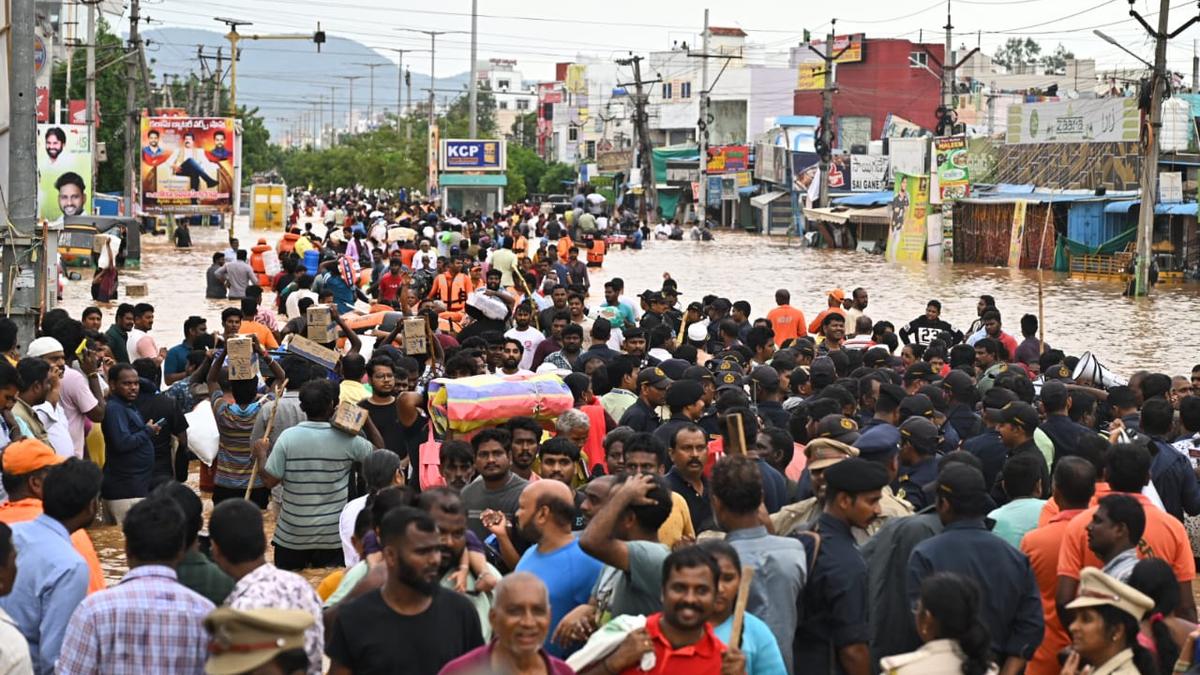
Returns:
<point x="700" y="486"/>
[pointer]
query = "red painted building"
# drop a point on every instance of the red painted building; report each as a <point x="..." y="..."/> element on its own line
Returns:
<point x="895" y="77"/>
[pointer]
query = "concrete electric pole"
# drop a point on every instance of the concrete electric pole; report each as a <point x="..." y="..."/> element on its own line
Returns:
<point x="641" y="119"/>
<point x="473" y="84"/>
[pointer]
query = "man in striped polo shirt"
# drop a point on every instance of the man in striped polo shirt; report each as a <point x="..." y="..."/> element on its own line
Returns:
<point x="312" y="462"/>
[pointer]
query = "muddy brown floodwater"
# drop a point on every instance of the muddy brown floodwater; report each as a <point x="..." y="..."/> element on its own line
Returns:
<point x="1155" y="332"/>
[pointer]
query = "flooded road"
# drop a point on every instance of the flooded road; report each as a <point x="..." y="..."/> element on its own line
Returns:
<point x="1155" y="332"/>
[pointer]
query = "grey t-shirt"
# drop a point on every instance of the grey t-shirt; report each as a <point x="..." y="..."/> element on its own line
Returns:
<point x="639" y="591"/>
<point x="238" y="275"/>
<point x="477" y="499"/>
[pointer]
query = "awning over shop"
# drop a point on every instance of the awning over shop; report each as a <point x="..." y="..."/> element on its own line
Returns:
<point x="761" y="201"/>
<point x="865" y="199"/>
<point x="1184" y="209"/>
<point x="881" y="215"/>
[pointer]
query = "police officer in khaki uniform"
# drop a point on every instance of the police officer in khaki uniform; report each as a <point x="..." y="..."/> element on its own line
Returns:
<point x="257" y="642"/>
<point x="822" y="453"/>
<point x="1099" y="640"/>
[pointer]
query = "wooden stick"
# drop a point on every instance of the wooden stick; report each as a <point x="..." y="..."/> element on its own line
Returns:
<point x="739" y="609"/>
<point x="737" y="434"/>
<point x="266" y="435"/>
<point x="1041" y="305"/>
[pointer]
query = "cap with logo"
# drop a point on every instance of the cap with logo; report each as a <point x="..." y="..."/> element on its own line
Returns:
<point x="838" y="427"/>
<point x="825" y="452"/>
<point x="674" y="368"/>
<point x="243" y="640"/>
<point x="654" y="377"/>
<point x="964" y="487"/>
<point x="959" y="384"/>
<point x="1017" y="413"/>
<point x="729" y="379"/>
<point x="916" y="405"/>
<point x="699" y="374"/>
<point x="998" y="397"/>
<point x="921" y="434"/>
<point x="683" y="393"/>
<point x="919" y="370"/>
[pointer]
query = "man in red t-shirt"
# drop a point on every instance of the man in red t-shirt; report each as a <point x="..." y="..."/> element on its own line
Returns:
<point x="391" y="281"/>
<point x="680" y="637"/>
<point x="786" y="321"/>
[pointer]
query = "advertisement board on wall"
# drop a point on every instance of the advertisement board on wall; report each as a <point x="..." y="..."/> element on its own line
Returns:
<point x="951" y="161"/>
<point x="770" y="163"/>
<point x="1100" y="120"/>
<point x="728" y="158"/>
<point x="910" y="206"/>
<point x="64" y="163"/>
<point x="806" y="166"/>
<point x="868" y="173"/>
<point x="187" y="164"/>
<point x="458" y="154"/>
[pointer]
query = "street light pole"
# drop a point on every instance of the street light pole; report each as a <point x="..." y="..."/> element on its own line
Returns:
<point x="473" y="85"/>
<point x="350" y="126"/>
<point x="371" y="100"/>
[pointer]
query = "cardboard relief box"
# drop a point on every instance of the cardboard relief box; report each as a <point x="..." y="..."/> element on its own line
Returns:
<point x="240" y="354"/>
<point x="349" y="418"/>
<point x="320" y="326"/>
<point x="302" y="346"/>
<point x="416" y="336"/>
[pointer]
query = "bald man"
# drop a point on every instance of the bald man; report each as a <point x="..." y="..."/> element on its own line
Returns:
<point x="520" y="620"/>
<point x="545" y="512"/>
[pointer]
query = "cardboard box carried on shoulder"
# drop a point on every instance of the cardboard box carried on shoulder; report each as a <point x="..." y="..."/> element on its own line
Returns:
<point x="319" y="324"/>
<point x="416" y="337"/>
<point x="302" y="346"/>
<point x="349" y="418"/>
<point x="136" y="290"/>
<point x="240" y="352"/>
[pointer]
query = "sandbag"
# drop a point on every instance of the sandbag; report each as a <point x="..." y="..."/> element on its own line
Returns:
<point x="203" y="435"/>
<point x="467" y="404"/>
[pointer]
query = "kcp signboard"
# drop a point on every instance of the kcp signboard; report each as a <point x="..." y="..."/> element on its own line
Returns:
<point x="472" y="155"/>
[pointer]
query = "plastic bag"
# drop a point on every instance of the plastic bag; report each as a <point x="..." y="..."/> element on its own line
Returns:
<point x="203" y="436"/>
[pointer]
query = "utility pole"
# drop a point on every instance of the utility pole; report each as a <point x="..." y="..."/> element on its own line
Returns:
<point x="400" y="108"/>
<point x="1195" y="69"/>
<point x="649" y="188"/>
<point x="431" y="178"/>
<point x="408" y="104"/>
<point x="25" y="273"/>
<point x="371" y="100"/>
<point x="332" y="117"/>
<point x="132" y="114"/>
<point x="1158" y="80"/>
<point x="702" y="128"/>
<point x="826" y="117"/>
<point x="947" y="117"/>
<point x="473" y="85"/>
<point x="350" y="126"/>
<point x="217" y="75"/>
<point x="90" y="91"/>
<point x="321" y="120"/>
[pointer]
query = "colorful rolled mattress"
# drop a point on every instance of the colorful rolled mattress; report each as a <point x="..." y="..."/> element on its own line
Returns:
<point x="467" y="404"/>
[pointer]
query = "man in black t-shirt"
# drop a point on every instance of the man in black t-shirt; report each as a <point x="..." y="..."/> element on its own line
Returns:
<point x="411" y="625"/>
<point x="164" y="411"/>
<point x="925" y="328"/>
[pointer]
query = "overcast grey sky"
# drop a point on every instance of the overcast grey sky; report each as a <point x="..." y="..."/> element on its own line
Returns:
<point x="538" y="33"/>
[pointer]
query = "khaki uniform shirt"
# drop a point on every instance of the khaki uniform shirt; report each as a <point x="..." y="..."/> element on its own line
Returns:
<point x="793" y="516"/>
<point x="937" y="657"/>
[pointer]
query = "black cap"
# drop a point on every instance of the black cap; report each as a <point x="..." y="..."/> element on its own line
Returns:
<point x="822" y="372"/>
<point x="725" y="366"/>
<point x="683" y="393"/>
<point x="1058" y="372"/>
<point x="855" y="474"/>
<point x="921" y="433"/>
<point x="653" y="376"/>
<point x="696" y="306"/>
<point x="765" y="377"/>
<point x="651" y="296"/>
<point x="998" y="397"/>
<point x="699" y="374"/>
<point x="964" y="487"/>
<point x="1122" y="397"/>
<point x="730" y="379"/>
<point x="674" y="368"/>
<point x="839" y="428"/>
<point x="878" y="443"/>
<point x="959" y="383"/>
<point x="635" y="332"/>
<point x="892" y="392"/>
<point x="1018" y="413"/>
<point x="875" y="357"/>
<point x="917" y="405"/>
<point x="669" y="288"/>
<point x="919" y="370"/>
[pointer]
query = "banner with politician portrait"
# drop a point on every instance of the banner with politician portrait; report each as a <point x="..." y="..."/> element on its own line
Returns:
<point x="187" y="164"/>
<point x="64" y="162"/>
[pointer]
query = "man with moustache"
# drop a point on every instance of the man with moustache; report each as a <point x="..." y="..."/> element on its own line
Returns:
<point x="545" y="514"/>
<point x="437" y="625"/>
<point x="689" y="454"/>
<point x="446" y="508"/>
<point x="496" y="488"/>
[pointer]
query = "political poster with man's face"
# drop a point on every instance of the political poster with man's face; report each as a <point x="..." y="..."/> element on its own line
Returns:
<point x="187" y="164"/>
<point x="64" y="162"/>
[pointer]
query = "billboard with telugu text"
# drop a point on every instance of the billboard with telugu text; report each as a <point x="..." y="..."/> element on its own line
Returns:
<point x="64" y="162"/>
<point x="187" y="164"/>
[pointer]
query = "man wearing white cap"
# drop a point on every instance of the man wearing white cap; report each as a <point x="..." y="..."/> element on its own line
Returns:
<point x="80" y="393"/>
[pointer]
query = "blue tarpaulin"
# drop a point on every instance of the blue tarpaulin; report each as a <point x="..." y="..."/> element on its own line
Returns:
<point x="865" y="199"/>
<point x="1184" y="209"/>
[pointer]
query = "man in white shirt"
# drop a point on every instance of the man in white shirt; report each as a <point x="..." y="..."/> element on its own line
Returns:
<point x="424" y="259"/>
<point x="527" y="335"/>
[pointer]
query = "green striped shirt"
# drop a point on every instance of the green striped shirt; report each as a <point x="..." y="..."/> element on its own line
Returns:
<point x="312" y="461"/>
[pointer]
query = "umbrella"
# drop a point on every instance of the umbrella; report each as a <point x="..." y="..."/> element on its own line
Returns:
<point x="375" y="214"/>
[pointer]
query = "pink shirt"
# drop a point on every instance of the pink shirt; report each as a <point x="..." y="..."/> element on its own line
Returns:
<point x="77" y="400"/>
